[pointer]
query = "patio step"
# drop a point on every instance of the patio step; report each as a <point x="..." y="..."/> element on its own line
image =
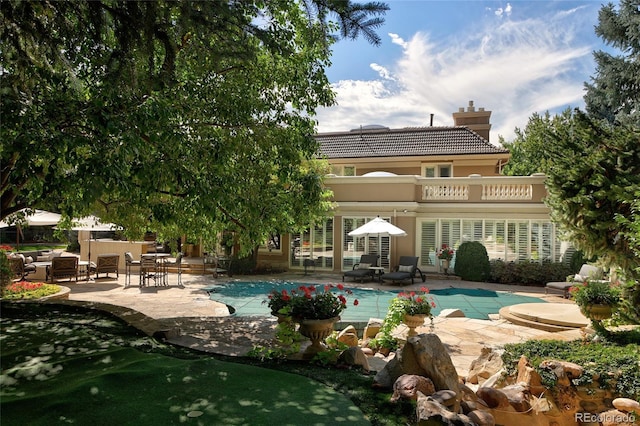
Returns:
<point x="546" y="316"/>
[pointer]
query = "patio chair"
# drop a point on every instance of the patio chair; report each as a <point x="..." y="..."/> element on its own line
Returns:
<point x="62" y="267"/>
<point x="19" y="269"/>
<point x="106" y="263"/>
<point x="129" y="263"/>
<point x="148" y="270"/>
<point x="177" y="263"/>
<point x="407" y="269"/>
<point x="361" y="269"/>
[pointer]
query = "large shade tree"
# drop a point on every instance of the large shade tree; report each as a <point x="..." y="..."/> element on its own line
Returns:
<point x="592" y="159"/>
<point x="183" y="117"/>
<point x="614" y="91"/>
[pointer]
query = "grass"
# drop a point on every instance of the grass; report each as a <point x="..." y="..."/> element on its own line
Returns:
<point x="67" y="364"/>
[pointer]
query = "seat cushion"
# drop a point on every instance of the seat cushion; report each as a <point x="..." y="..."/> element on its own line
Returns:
<point x="405" y="268"/>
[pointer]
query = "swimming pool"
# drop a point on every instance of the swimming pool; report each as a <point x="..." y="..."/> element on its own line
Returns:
<point x="249" y="299"/>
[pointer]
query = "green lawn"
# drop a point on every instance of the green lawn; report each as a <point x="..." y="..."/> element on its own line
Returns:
<point x="73" y="368"/>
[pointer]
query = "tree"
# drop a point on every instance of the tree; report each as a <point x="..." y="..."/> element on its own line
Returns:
<point x="614" y="91"/>
<point x="529" y="149"/>
<point x="182" y="117"/>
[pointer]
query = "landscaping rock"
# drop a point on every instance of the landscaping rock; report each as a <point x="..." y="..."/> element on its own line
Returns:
<point x="482" y="418"/>
<point x="518" y="397"/>
<point x="354" y="356"/>
<point x="486" y="365"/>
<point x="422" y="355"/>
<point x="451" y="313"/>
<point x="445" y="397"/>
<point x="529" y="377"/>
<point x="349" y="336"/>
<point x="494" y="398"/>
<point x="408" y="385"/>
<point x="627" y="404"/>
<point x="431" y="412"/>
<point x="564" y="371"/>
<point x="372" y="328"/>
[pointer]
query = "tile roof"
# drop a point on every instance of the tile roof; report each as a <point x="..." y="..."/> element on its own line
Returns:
<point x="405" y="142"/>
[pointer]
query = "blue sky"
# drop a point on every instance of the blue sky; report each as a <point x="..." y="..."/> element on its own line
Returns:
<point x="512" y="58"/>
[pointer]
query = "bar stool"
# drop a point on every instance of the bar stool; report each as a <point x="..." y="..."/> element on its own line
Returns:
<point x="129" y="263"/>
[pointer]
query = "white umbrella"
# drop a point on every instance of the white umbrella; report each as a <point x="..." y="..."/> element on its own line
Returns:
<point x="91" y="224"/>
<point x="30" y="217"/>
<point x="377" y="227"/>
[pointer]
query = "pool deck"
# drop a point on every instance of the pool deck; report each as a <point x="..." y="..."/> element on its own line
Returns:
<point x="186" y="315"/>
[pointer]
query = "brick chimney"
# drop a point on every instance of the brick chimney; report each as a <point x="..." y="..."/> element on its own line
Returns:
<point x="478" y="121"/>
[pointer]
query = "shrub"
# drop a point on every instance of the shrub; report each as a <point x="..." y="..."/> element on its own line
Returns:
<point x="472" y="262"/>
<point x="527" y="272"/>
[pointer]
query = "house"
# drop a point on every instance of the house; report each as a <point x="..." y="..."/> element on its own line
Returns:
<point x="442" y="185"/>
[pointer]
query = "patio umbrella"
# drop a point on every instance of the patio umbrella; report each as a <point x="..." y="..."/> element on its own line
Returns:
<point x="380" y="228"/>
<point x="92" y="224"/>
<point x="30" y="217"/>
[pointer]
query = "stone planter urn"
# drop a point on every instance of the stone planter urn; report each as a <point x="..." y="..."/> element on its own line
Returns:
<point x="316" y="330"/>
<point x="413" y="321"/>
<point x="597" y="312"/>
<point x="445" y="265"/>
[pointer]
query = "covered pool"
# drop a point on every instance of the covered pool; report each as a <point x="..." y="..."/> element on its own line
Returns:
<point x="249" y="299"/>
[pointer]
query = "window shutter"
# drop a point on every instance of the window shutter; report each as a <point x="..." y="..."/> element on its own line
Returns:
<point x="428" y="247"/>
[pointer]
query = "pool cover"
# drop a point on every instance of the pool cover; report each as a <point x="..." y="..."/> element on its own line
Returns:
<point x="249" y="299"/>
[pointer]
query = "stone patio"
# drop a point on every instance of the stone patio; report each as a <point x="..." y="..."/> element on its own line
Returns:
<point x="186" y="316"/>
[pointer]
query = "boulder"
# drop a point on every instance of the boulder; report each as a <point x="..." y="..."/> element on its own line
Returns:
<point x="482" y="418"/>
<point x="494" y="398"/>
<point x="445" y="397"/>
<point x="372" y="328"/>
<point x="528" y="376"/>
<point x="431" y="412"/>
<point x="627" y="404"/>
<point x="349" y="336"/>
<point x="422" y="355"/>
<point x="486" y="365"/>
<point x="354" y="356"/>
<point x="564" y="371"/>
<point x="518" y="397"/>
<point x="408" y="385"/>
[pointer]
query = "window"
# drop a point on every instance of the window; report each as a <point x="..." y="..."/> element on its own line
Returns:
<point x="354" y="247"/>
<point x="315" y="243"/>
<point x="437" y="170"/>
<point x="343" y="170"/>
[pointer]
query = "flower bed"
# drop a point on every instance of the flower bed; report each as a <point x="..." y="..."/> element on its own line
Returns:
<point x="27" y="290"/>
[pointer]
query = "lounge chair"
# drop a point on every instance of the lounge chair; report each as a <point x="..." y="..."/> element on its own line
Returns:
<point x="587" y="272"/>
<point x="361" y="269"/>
<point x="407" y="269"/>
<point x="62" y="267"/>
<point x="106" y="263"/>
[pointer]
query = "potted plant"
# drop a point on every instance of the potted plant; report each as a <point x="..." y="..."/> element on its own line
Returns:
<point x="279" y="302"/>
<point x="596" y="299"/>
<point x="316" y="309"/>
<point x="445" y="254"/>
<point x="415" y="307"/>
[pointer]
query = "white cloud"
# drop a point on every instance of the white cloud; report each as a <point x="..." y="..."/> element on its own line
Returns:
<point x="513" y="68"/>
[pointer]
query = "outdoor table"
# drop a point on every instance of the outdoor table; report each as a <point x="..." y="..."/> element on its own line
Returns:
<point x="41" y="268"/>
<point x="377" y="272"/>
<point x="161" y="267"/>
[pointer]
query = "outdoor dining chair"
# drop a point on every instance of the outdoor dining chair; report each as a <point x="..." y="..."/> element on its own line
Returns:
<point x="62" y="267"/>
<point x="130" y="262"/>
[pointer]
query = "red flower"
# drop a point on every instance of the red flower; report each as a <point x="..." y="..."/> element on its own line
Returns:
<point x="340" y="287"/>
<point x="355" y="302"/>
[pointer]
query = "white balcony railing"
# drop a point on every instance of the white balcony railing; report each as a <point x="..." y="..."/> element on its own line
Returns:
<point x="500" y="191"/>
<point x="446" y="192"/>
